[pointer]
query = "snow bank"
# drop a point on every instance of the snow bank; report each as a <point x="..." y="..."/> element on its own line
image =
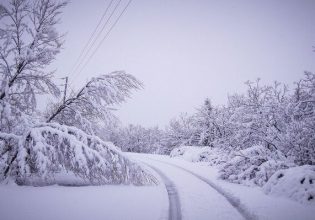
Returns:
<point x="297" y="183"/>
<point x="52" y="153"/>
<point x="200" y="154"/>
<point x="253" y="166"/>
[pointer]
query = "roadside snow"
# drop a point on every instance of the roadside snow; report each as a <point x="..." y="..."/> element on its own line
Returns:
<point x="111" y="202"/>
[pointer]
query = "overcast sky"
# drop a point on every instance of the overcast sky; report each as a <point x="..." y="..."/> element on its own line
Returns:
<point x="186" y="50"/>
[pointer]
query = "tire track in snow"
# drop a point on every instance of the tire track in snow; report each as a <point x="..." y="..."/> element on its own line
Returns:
<point x="174" y="211"/>
<point x="233" y="200"/>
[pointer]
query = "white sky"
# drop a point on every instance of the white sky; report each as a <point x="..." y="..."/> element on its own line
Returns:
<point x="186" y="50"/>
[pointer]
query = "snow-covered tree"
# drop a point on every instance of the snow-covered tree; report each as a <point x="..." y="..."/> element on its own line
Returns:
<point x="207" y="121"/>
<point x="181" y="131"/>
<point x="299" y="137"/>
<point x="48" y="153"/>
<point x="257" y="118"/>
<point x="29" y="42"/>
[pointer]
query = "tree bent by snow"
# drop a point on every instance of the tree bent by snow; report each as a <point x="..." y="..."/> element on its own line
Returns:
<point x="49" y="152"/>
<point x="94" y="102"/>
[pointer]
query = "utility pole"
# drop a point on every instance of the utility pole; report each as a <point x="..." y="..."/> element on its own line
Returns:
<point x="65" y="89"/>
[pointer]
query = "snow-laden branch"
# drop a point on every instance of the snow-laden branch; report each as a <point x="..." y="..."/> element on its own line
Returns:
<point x="95" y="99"/>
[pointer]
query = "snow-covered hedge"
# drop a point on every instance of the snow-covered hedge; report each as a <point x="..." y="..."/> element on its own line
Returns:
<point x="200" y="154"/>
<point x="50" y="151"/>
<point x="253" y="166"/>
<point x="297" y="183"/>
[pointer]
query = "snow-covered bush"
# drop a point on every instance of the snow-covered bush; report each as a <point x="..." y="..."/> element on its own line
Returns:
<point x="200" y="154"/>
<point x="297" y="183"/>
<point x="178" y="151"/>
<point x="49" y="151"/>
<point x="253" y="166"/>
<point x="190" y="153"/>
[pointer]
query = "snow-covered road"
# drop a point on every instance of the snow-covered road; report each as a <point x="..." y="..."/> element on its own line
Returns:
<point x="199" y="198"/>
<point x="174" y="210"/>
<point x="233" y="200"/>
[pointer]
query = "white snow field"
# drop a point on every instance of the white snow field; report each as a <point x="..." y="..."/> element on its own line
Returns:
<point x="192" y="188"/>
<point x="108" y="202"/>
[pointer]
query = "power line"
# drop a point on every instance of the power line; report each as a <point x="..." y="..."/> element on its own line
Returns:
<point x="92" y="36"/>
<point x="98" y="35"/>
<point x="105" y="37"/>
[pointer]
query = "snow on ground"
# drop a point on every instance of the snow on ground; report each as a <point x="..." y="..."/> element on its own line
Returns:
<point x="111" y="202"/>
<point x="197" y="199"/>
<point x="264" y="206"/>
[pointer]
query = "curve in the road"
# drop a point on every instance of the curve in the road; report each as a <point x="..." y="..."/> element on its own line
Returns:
<point x="174" y="211"/>
<point x="234" y="201"/>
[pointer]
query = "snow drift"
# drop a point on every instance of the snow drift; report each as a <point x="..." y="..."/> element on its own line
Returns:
<point x="297" y="183"/>
<point x="49" y="152"/>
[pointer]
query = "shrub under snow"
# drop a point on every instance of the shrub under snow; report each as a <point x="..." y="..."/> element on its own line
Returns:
<point x="297" y="183"/>
<point x="200" y="154"/>
<point x="253" y="166"/>
<point x="50" y="151"/>
<point x="190" y="153"/>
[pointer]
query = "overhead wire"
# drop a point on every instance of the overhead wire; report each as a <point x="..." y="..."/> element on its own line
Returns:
<point x="91" y="37"/>
<point x="105" y="37"/>
<point x="98" y="35"/>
